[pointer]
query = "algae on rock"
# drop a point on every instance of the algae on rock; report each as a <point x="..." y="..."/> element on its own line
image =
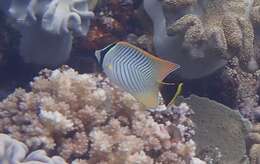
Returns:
<point x="219" y="129"/>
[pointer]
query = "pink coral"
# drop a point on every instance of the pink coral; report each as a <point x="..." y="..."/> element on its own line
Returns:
<point x="82" y="117"/>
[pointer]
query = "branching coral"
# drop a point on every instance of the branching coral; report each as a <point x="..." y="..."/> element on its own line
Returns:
<point x="207" y="32"/>
<point x="48" y="25"/>
<point x="86" y="119"/>
<point x="13" y="151"/>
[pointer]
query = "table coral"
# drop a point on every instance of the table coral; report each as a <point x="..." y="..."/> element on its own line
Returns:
<point x="13" y="151"/>
<point x="85" y="119"/>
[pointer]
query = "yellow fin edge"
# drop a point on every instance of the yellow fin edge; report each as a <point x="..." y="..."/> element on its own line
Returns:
<point x="178" y="92"/>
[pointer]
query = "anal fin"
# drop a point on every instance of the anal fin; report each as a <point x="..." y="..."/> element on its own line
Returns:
<point x="149" y="98"/>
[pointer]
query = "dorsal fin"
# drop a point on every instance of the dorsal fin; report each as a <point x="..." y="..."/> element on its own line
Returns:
<point x="163" y="68"/>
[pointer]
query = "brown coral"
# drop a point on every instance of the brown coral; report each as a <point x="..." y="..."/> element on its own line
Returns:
<point x="255" y="13"/>
<point x="241" y="88"/>
<point x="220" y="25"/>
<point x="86" y="119"/>
<point x="113" y="21"/>
<point x="178" y="4"/>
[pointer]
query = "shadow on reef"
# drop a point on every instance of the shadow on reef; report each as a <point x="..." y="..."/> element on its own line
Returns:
<point x="209" y="86"/>
<point x="230" y="86"/>
<point x="13" y="72"/>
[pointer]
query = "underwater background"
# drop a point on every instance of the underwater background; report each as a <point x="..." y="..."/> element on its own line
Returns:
<point x="58" y="106"/>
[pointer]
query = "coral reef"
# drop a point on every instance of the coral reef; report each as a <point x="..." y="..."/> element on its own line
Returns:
<point x="13" y="151"/>
<point x="242" y="88"/>
<point x="85" y="119"/>
<point x="253" y="144"/>
<point x="170" y="47"/>
<point x="223" y="26"/>
<point x="47" y="26"/>
<point x="200" y="32"/>
<point x="113" y="21"/>
<point x="255" y="15"/>
<point x="220" y="131"/>
<point x="230" y="86"/>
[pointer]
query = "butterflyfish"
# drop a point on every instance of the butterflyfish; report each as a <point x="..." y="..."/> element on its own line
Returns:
<point x="135" y="71"/>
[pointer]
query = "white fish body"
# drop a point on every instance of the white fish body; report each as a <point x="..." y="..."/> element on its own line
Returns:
<point x="135" y="71"/>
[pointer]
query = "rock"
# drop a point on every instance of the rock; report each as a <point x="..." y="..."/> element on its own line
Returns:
<point x="218" y="126"/>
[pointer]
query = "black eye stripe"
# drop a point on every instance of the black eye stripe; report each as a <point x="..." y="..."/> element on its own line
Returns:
<point x="104" y="51"/>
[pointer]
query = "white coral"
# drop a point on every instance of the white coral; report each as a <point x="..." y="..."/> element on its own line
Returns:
<point x="47" y="26"/>
<point x="197" y="161"/>
<point x="65" y="15"/>
<point x="57" y="120"/>
<point x="13" y="151"/>
<point x="57" y="16"/>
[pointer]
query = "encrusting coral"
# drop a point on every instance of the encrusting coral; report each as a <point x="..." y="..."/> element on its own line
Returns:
<point x="13" y="151"/>
<point x="85" y="119"/>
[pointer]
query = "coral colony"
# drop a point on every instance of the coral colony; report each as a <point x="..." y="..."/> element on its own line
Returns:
<point x="221" y="26"/>
<point x="86" y="119"/>
<point x="66" y="116"/>
<point x="47" y="26"/>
